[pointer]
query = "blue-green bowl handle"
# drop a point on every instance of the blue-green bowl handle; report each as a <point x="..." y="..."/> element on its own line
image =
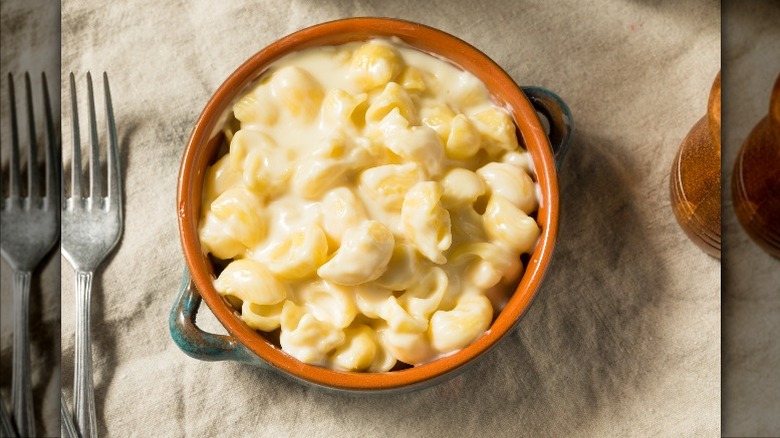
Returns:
<point x="195" y="342"/>
<point x="558" y="115"/>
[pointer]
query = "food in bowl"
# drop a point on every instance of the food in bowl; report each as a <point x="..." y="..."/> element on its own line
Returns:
<point x="371" y="207"/>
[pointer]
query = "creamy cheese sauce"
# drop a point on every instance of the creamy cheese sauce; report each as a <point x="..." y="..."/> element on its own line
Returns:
<point x="374" y="201"/>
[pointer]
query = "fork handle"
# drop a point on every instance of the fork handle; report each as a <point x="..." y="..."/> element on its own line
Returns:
<point x="6" y="427"/>
<point x="67" y="428"/>
<point x="21" y="388"/>
<point x="84" y="394"/>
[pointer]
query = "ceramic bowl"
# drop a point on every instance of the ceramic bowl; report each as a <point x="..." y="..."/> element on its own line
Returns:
<point x="545" y="142"/>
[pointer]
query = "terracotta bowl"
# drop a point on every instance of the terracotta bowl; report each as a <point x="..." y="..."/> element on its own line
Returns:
<point x="246" y="345"/>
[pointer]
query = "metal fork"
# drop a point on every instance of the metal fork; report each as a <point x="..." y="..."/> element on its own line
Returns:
<point x="30" y="229"/>
<point x="67" y="428"/>
<point x="6" y="427"/>
<point x="91" y="227"/>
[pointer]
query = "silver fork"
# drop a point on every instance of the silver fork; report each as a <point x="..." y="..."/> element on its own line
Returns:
<point x="6" y="427"/>
<point x="67" y="428"/>
<point x="30" y="227"/>
<point x="91" y="227"/>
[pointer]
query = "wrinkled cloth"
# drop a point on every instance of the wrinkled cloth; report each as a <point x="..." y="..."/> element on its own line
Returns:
<point x="750" y="276"/>
<point x="624" y="335"/>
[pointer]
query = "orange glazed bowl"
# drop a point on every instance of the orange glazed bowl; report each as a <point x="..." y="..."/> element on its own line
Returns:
<point x="546" y="144"/>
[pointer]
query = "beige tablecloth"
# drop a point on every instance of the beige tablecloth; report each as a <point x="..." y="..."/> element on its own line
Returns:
<point x="624" y="338"/>
<point x="750" y="277"/>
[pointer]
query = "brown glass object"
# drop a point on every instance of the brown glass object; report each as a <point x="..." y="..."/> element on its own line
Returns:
<point x="694" y="184"/>
<point x="755" y="185"/>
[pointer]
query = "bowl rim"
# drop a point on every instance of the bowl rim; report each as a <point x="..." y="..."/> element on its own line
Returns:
<point x="421" y="37"/>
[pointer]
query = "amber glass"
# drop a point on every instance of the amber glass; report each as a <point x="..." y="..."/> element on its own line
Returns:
<point x="694" y="184"/>
<point x="756" y="181"/>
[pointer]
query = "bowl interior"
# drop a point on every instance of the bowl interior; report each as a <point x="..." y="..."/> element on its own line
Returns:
<point x="206" y="140"/>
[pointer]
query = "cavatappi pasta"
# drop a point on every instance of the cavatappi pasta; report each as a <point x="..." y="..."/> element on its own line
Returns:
<point x="372" y="206"/>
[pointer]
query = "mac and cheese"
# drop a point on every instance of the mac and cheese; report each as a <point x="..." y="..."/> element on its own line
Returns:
<point x="371" y="208"/>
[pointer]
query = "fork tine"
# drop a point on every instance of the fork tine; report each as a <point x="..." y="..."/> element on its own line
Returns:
<point x="33" y="183"/>
<point x="51" y="148"/>
<point x="95" y="183"/>
<point x="114" y="168"/>
<point x="13" y="182"/>
<point x="75" y="189"/>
